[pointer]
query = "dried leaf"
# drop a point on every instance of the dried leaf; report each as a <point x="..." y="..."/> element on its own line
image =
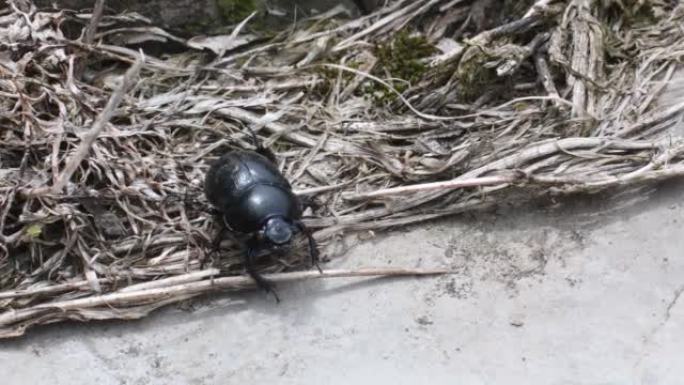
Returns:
<point x="34" y="230"/>
<point x="221" y="43"/>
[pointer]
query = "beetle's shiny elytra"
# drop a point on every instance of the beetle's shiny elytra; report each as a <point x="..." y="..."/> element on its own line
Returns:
<point x="255" y="198"/>
<point x="248" y="189"/>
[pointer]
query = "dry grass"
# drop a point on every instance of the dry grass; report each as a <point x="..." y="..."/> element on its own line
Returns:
<point x="103" y="150"/>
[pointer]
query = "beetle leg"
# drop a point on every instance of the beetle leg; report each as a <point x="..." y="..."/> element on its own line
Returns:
<point x="260" y="149"/>
<point x="308" y="201"/>
<point x="313" y="247"/>
<point x="255" y="139"/>
<point x="260" y="280"/>
<point x="215" y="246"/>
<point x="267" y="153"/>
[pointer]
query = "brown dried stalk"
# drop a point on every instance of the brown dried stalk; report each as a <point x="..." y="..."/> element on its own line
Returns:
<point x="98" y="9"/>
<point x="181" y="288"/>
<point x="89" y="35"/>
<point x="446" y="185"/>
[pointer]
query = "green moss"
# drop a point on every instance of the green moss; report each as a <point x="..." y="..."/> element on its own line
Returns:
<point x="234" y="11"/>
<point x="401" y="60"/>
<point x="402" y="56"/>
<point x="34" y="231"/>
<point x="472" y="74"/>
<point x="332" y="75"/>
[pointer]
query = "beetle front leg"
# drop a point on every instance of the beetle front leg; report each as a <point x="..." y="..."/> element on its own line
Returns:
<point x="309" y="201"/>
<point x="262" y="282"/>
<point x="313" y="247"/>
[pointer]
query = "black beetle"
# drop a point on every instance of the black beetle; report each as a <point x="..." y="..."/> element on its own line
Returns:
<point x="254" y="198"/>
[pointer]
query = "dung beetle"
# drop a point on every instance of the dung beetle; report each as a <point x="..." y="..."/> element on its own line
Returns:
<point x="255" y="199"/>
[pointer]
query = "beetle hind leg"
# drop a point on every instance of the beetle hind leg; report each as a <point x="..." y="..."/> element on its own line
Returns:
<point x="267" y="153"/>
<point x="260" y="149"/>
<point x="309" y="201"/>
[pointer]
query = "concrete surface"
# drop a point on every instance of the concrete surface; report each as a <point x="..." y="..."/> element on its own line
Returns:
<point x="576" y="294"/>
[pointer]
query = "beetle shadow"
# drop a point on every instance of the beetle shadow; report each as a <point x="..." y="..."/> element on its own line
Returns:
<point x="178" y="322"/>
<point x="363" y="284"/>
<point x="303" y="297"/>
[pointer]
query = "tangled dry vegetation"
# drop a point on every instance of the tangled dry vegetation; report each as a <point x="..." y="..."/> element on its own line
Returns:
<point x="423" y="109"/>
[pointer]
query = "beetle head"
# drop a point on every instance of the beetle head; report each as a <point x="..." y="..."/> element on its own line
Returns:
<point x="278" y="231"/>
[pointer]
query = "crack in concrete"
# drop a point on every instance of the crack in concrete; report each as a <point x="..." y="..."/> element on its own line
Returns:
<point x="649" y="338"/>
<point x="672" y="303"/>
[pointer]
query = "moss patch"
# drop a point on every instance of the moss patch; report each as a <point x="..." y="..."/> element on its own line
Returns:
<point x="234" y="11"/>
<point x="472" y="74"/>
<point x="332" y="75"/>
<point x="400" y="59"/>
